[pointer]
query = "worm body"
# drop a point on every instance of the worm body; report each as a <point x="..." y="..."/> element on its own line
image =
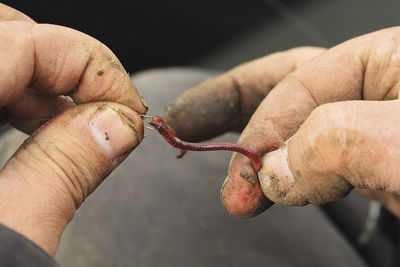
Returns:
<point x="169" y="135"/>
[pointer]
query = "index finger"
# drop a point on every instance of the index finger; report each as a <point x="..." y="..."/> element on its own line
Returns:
<point x="362" y="68"/>
<point x="226" y="103"/>
<point x="60" y="61"/>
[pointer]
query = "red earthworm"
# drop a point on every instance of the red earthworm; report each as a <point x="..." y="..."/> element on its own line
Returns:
<point x="169" y="135"/>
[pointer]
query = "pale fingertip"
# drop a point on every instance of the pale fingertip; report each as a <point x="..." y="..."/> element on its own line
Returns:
<point x="275" y="177"/>
<point x="114" y="132"/>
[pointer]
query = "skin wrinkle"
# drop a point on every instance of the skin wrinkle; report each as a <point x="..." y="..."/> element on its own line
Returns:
<point x="35" y="57"/>
<point x="84" y="188"/>
<point x="59" y="76"/>
<point x="74" y="172"/>
<point x="314" y="195"/>
<point x="88" y="62"/>
<point x="101" y="94"/>
<point x="240" y="79"/>
<point x="33" y="75"/>
<point x="386" y="96"/>
<point x="28" y="164"/>
<point x="359" y="59"/>
<point x="242" y="106"/>
<point x="363" y="82"/>
<point x="64" y="176"/>
<point x="393" y="92"/>
<point x="352" y="147"/>
<point x="83" y="74"/>
<point x="52" y="58"/>
<point x="305" y="88"/>
<point x="23" y="44"/>
<point x="368" y="179"/>
<point x="117" y="82"/>
<point x="315" y="163"/>
<point x="277" y="122"/>
<point x="363" y="70"/>
<point x="239" y="90"/>
<point x="272" y="128"/>
<point x="382" y="64"/>
<point x="78" y="184"/>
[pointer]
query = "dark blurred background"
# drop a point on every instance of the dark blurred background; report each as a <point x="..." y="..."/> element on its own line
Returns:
<point x="151" y="33"/>
<point x="221" y="34"/>
<point x="215" y="34"/>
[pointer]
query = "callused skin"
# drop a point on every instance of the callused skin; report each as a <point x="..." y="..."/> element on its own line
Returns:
<point x="336" y="143"/>
<point x="74" y="87"/>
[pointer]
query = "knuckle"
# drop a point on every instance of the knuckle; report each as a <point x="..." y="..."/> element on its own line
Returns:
<point x="328" y="137"/>
<point x="331" y="117"/>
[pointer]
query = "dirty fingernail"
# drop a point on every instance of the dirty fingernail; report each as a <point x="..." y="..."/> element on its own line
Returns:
<point x="276" y="179"/>
<point x="144" y="102"/>
<point x="114" y="132"/>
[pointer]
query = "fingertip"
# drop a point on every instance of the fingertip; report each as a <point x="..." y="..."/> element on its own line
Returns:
<point x="207" y="110"/>
<point x="275" y="176"/>
<point x="115" y="131"/>
<point x="69" y="62"/>
<point x="61" y="164"/>
<point x="241" y="194"/>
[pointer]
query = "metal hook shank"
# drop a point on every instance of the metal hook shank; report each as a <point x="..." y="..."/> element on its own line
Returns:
<point x="146" y="116"/>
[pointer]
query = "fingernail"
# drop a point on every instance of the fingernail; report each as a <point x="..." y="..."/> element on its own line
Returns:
<point x="275" y="176"/>
<point x="144" y="102"/>
<point x="114" y="131"/>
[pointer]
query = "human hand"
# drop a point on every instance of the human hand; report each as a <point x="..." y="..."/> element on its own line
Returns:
<point x="71" y="91"/>
<point x="327" y="143"/>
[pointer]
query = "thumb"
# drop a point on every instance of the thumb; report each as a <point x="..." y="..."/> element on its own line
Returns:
<point x="340" y="146"/>
<point x="51" y="174"/>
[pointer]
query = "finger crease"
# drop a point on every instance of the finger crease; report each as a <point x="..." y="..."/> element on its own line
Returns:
<point x="389" y="91"/>
<point x="307" y="90"/>
<point x="75" y="177"/>
<point x="239" y="90"/>
<point x="34" y="57"/>
<point x="64" y="181"/>
<point x="76" y="87"/>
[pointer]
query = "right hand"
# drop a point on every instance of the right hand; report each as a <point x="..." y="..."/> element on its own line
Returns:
<point x="333" y="147"/>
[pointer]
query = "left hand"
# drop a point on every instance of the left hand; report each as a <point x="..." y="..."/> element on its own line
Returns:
<point x="77" y="140"/>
